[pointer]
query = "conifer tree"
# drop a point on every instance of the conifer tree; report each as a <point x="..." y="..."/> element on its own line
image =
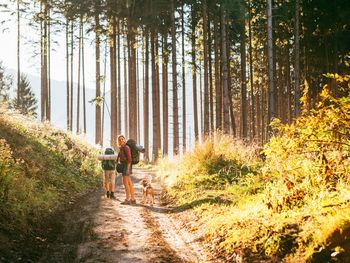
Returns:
<point x="25" y="101"/>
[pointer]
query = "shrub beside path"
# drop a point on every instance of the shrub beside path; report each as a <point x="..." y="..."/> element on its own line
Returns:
<point x="98" y="229"/>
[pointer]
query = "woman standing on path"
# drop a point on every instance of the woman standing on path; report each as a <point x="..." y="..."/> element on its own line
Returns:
<point x="125" y="160"/>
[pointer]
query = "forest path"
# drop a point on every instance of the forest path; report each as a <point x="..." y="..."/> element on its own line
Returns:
<point x="99" y="229"/>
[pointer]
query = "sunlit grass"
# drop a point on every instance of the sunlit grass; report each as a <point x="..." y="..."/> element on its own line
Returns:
<point x="41" y="168"/>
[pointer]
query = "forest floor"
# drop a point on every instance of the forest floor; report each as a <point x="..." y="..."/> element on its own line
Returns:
<point x="98" y="229"/>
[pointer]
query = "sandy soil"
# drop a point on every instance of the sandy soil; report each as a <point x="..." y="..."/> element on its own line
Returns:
<point x="99" y="229"/>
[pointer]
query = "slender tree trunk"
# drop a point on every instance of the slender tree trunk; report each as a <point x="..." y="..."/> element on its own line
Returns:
<point x="114" y="110"/>
<point x="272" y="91"/>
<point x="138" y="132"/>
<point x="132" y="82"/>
<point x="205" y="61"/>
<point x="218" y="92"/>
<point x="103" y="79"/>
<point x="184" y="124"/>
<point x="289" y="91"/>
<point x="252" y="102"/>
<point x="157" y="94"/>
<point x="78" y="86"/>
<point x="119" y="115"/>
<point x="18" y="51"/>
<point x="67" y="74"/>
<point x="83" y="75"/>
<point x="42" y="91"/>
<point x="297" y="61"/>
<point x="98" y="128"/>
<point x="194" y="74"/>
<point x="126" y="116"/>
<point x="211" y="95"/>
<point x="71" y="75"/>
<point x="155" y="147"/>
<point x="226" y="100"/>
<point x="146" y="97"/>
<point x="165" y="95"/>
<point x="244" y="131"/>
<point x="174" y="73"/>
<point x="49" y="66"/>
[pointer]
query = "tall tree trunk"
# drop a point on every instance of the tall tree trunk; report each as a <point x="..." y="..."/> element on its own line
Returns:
<point x="184" y="124"/>
<point x="119" y="115"/>
<point x="98" y="130"/>
<point x="194" y="74"/>
<point x="244" y="131"/>
<point x="126" y="116"/>
<point x="18" y="51"/>
<point x="132" y="82"/>
<point x="252" y="102"/>
<point x="174" y="73"/>
<point x="146" y="97"/>
<point x="211" y="95"/>
<point x="44" y="86"/>
<point x="287" y="81"/>
<point x="205" y="61"/>
<point x="226" y="106"/>
<point x="114" y="110"/>
<point x="78" y="86"/>
<point x="103" y="79"/>
<point x="71" y="74"/>
<point x="157" y="94"/>
<point x="67" y="75"/>
<point x="83" y="75"/>
<point x="297" y="61"/>
<point x="272" y="91"/>
<point x="138" y="132"/>
<point x="218" y="90"/>
<point x="165" y="94"/>
<point x="48" y="110"/>
<point x="155" y="101"/>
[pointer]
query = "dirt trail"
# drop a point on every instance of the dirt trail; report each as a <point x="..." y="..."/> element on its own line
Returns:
<point x="98" y="229"/>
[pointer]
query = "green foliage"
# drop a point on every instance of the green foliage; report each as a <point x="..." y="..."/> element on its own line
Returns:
<point x="5" y="84"/>
<point x="25" y="102"/>
<point x="41" y="168"/>
<point x="311" y="153"/>
<point x="292" y="208"/>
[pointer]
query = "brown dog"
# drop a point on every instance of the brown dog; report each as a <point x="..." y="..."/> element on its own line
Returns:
<point x="147" y="191"/>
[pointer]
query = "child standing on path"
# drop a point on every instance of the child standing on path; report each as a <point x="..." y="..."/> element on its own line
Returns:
<point x="126" y="161"/>
<point x="108" y="167"/>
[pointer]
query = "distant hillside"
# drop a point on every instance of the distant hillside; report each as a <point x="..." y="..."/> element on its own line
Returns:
<point x="59" y="105"/>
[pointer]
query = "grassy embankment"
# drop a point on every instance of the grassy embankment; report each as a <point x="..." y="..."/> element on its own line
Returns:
<point x="290" y="204"/>
<point x="41" y="169"/>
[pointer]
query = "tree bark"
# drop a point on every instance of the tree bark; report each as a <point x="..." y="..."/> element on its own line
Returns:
<point x="145" y="96"/>
<point x="132" y="82"/>
<point x="165" y="94"/>
<point x="297" y="61"/>
<point x="252" y="102"/>
<point x="112" y="53"/>
<point x="218" y="90"/>
<point x="226" y="106"/>
<point x="205" y="61"/>
<point x="244" y="131"/>
<point x="194" y="74"/>
<point x="98" y="130"/>
<point x="272" y="91"/>
<point x="174" y="73"/>
<point x="184" y="124"/>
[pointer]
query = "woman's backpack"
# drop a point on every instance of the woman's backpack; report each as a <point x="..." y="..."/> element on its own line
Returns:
<point x="135" y="150"/>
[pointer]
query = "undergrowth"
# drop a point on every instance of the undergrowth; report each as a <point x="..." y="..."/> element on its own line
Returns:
<point x="41" y="169"/>
<point x="292" y="206"/>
